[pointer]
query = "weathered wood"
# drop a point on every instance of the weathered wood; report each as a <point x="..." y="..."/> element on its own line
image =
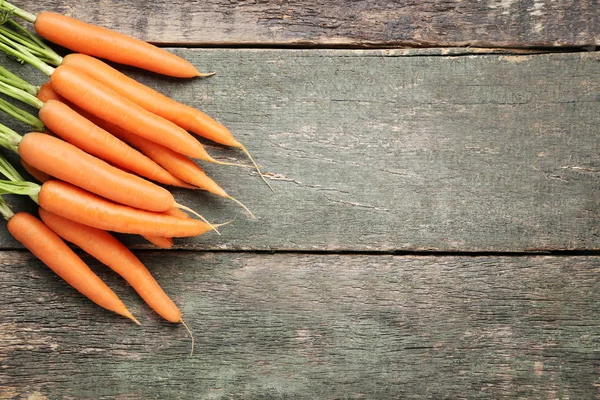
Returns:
<point x="374" y="150"/>
<point x="311" y="326"/>
<point x="490" y="23"/>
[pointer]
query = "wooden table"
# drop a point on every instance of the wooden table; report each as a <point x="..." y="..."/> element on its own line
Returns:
<point x="434" y="231"/>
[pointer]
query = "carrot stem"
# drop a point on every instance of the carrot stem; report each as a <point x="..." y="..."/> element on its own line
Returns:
<point x="14" y="80"/>
<point x="11" y="173"/>
<point x="23" y="54"/>
<point x="21" y="115"/>
<point x="34" y="42"/>
<point x="182" y="207"/>
<point x="243" y="148"/>
<point x="191" y="335"/>
<point x="9" y="139"/>
<point x="21" y="95"/>
<point x="6" y="211"/>
<point x="20" y="188"/>
<point x="9" y="36"/>
<point x="7" y="7"/>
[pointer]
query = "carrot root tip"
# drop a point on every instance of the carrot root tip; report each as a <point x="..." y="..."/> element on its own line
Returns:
<point x="243" y="206"/>
<point x="182" y="207"/>
<point x="131" y="317"/>
<point x="243" y="148"/>
<point x="191" y="335"/>
<point x="206" y="75"/>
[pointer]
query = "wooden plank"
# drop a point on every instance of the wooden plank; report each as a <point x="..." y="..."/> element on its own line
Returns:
<point x="378" y="151"/>
<point x="490" y="23"/>
<point x="311" y="326"/>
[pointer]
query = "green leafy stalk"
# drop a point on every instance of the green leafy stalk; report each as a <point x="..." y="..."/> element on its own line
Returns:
<point x="9" y="139"/>
<point x="13" y="175"/>
<point x="24" y="38"/>
<point x="21" y="115"/>
<point x="11" y="9"/>
<point x="8" y="77"/>
<point x="33" y="38"/>
<point x="20" y="95"/>
<point x="9" y="171"/>
<point x="21" y="188"/>
<point x="5" y="209"/>
<point x="22" y="54"/>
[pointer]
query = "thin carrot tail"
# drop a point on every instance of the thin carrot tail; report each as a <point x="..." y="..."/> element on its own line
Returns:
<point x="191" y="335"/>
<point x="245" y="150"/>
<point x="215" y="161"/>
<point x="205" y="75"/>
<point x="182" y="207"/>
<point x="127" y="314"/>
<point x="243" y="205"/>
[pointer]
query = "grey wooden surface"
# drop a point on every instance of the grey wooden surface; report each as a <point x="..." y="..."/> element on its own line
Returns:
<point x="489" y="23"/>
<point x="311" y="326"/>
<point x="380" y="160"/>
<point x="381" y="151"/>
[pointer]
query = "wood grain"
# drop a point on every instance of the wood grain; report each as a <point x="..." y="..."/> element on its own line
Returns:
<point x="392" y="150"/>
<point x="311" y="326"/>
<point x="489" y="23"/>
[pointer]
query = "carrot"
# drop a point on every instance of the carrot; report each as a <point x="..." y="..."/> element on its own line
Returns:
<point x="182" y="115"/>
<point x="52" y="251"/>
<point x="47" y="92"/>
<point x="108" y="250"/>
<point x="94" y="97"/>
<point x="36" y="173"/>
<point x="161" y="242"/>
<point x="105" y="43"/>
<point x="65" y="161"/>
<point x="177" y="164"/>
<point x="89" y="209"/>
<point x="81" y="132"/>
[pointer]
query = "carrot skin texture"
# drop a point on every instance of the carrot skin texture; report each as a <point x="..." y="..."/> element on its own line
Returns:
<point x="52" y="251"/>
<point x="47" y="92"/>
<point x="160" y="241"/>
<point x="177" y="164"/>
<point x="180" y="114"/>
<point x="104" y="43"/>
<point x="97" y="99"/>
<point x="108" y="250"/>
<point x="58" y="158"/>
<point x="84" y="134"/>
<point x="40" y="176"/>
<point x="84" y="207"/>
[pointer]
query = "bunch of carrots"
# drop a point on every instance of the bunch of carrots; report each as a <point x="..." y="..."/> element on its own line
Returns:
<point x="103" y="147"/>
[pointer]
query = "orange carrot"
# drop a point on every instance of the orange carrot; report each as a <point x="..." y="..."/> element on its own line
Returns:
<point x="95" y="98"/>
<point x="65" y="161"/>
<point x="183" y="115"/>
<point x="109" y="251"/>
<point x="36" y="173"/>
<point x="177" y="164"/>
<point x="89" y="209"/>
<point x="104" y="43"/>
<point x="81" y="132"/>
<point x="180" y="114"/>
<point x="160" y="241"/>
<point x="47" y="92"/>
<point x="52" y="251"/>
